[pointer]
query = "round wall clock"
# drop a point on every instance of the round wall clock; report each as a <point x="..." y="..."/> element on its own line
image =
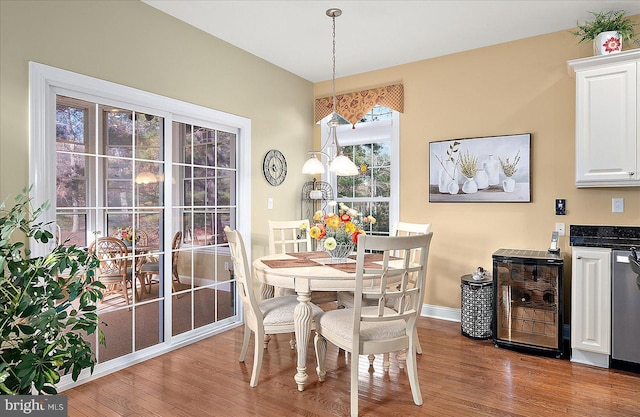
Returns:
<point x="274" y="167"/>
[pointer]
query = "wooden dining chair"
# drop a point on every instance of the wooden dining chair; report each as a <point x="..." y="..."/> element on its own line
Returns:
<point x="345" y="298"/>
<point x="287" y="237"/>
<point x="113" y="270"/>
<point x="147" y="269"/>
<point x="292" y="236"/>
<point x="371" y="329"/>
<point x="143" y="237"/>
<point x="410" y="229"/>
<point x="268" y="316"/>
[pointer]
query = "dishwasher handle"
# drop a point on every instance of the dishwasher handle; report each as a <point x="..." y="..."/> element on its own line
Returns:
<point x="634" y="263"/>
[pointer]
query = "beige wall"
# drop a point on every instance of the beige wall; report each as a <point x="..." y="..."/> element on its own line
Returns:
<point x="516" y="87"/>
<point x="130" y="43"/>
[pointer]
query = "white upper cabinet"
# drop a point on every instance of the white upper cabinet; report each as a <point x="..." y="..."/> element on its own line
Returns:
<point x="607" y="114"/>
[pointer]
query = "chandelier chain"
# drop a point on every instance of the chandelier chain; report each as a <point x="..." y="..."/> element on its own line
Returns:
<point x="333" y="77"/>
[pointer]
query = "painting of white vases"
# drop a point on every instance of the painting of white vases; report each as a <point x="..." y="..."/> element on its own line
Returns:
<point x="489" y="169"/>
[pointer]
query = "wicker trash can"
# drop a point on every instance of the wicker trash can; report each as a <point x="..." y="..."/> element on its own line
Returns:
<point x="476" y="307"/>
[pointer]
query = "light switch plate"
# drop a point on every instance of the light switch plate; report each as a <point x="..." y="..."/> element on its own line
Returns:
<point x="561" y="206"/>
<point x="617" y="205"/>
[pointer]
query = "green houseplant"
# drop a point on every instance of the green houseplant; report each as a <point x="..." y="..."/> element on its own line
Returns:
<point x="47" y="304"/>
<point x="613" y="20"/>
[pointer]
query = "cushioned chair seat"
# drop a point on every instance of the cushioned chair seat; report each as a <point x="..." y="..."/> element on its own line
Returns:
<point x="150" y="267"/>
<point x="340" y="323"/>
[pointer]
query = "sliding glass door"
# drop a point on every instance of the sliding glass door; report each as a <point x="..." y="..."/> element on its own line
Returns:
<point x="109" y="176"/>
<point x="160" y="177"/>
<point x="205" y="170"/>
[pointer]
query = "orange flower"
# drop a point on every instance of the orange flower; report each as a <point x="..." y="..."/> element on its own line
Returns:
<point x="345" y="217"/>
<point x="333" y="222"/>
<point x="354" y="236"/>
<point x="323" y="232"/>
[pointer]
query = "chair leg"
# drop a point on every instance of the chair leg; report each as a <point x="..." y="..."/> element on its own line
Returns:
<point x="148" y="279"/>
<point x="267" y="338"/>
<point x="257" y="358"/>
<point x="321" y="353"/>
<point x="140" y="278"/>
<point x="292" y="341"/>
<point x="385" y="362"/>
<point x="418" y="347"/>
<point x="125" y="292"/>
<point x="355" y="362"/>
<point x="401" y="356"/>
<point x="412" y="371"/>
<point x="245" y="342"/>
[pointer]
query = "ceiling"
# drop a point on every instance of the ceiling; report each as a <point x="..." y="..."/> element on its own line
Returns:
<point x="296" y="34"/>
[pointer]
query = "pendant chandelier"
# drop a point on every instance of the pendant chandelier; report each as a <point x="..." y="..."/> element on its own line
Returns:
<point x="339" y="164"/>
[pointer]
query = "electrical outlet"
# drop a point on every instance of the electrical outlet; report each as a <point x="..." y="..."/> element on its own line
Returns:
<point x="226" y="266"/>
<point x="560" y="229"/>
<point x="270" y="203"/>
<point x="617" y="205"/>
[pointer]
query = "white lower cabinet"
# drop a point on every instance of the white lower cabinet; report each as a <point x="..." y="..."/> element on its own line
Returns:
<point x="591" y="306"/>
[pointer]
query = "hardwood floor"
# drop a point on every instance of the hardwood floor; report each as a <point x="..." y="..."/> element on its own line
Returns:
<point x="458" y="377"/>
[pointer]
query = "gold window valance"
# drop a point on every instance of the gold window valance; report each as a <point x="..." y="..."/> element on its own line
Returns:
<point x="353" y="106"/>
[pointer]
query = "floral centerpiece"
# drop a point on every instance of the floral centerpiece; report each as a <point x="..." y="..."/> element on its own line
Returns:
<point x="126" y="235"/>
<point x="339" y="232"/>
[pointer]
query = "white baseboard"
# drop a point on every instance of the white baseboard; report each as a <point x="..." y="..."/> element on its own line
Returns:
<point x="439" y="312"/>
<point x="589" y="358"/>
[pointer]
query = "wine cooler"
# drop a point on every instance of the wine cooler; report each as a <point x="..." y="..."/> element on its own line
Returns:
<point x="528" y="300"/>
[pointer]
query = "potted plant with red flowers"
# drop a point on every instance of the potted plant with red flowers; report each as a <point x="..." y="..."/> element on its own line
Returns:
<point x="607" y="30"/>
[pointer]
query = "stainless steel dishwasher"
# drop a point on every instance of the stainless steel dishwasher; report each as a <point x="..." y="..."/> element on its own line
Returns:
<point x="625" y="336"/>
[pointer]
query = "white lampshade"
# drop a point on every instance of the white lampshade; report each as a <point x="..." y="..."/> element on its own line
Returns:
<point x="343" y="166"/>
<point x="313" y="166"/>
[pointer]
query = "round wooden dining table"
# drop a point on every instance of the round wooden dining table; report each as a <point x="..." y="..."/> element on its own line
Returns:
<point x="305" y="272"/>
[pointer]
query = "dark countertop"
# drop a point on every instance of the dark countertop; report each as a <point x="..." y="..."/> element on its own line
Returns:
<point x="528" y="254"/>
<point x="613" y="237"/>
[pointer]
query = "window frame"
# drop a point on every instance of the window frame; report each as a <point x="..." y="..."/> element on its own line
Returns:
<point x="372" y="132"/>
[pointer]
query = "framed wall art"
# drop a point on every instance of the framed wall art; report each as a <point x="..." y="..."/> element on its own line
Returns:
<point x="481" y="170"/>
